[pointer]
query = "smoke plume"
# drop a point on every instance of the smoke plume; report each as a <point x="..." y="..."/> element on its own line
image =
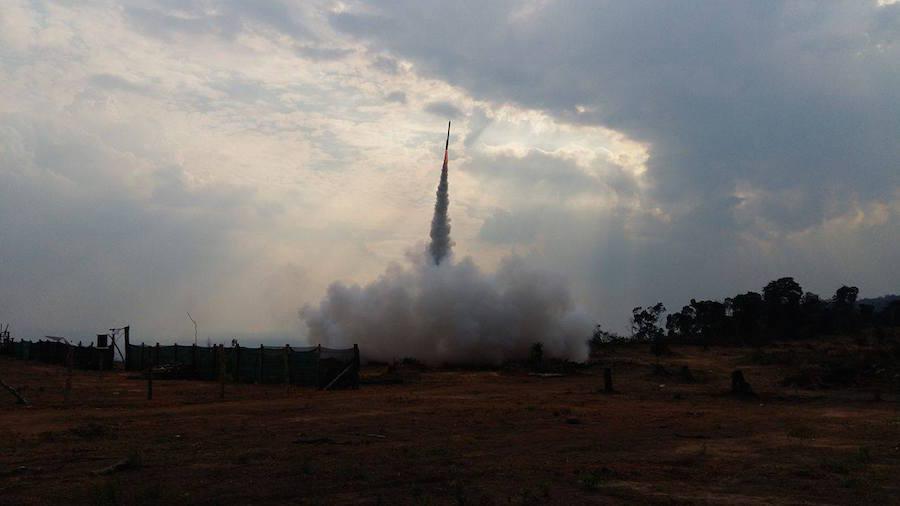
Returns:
<point x="452" y="313"/>
<point x="440" y="222"/>
<point x="439" y="311"/>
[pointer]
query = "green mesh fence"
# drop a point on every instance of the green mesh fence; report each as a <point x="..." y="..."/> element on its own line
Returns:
<point x="53" y="352"/>
<point x="309" y="366"/>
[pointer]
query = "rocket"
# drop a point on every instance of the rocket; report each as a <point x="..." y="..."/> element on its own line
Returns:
<point x="447" y="146"/>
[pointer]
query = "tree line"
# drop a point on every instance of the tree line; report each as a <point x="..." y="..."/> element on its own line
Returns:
<point x="783" y="311"/>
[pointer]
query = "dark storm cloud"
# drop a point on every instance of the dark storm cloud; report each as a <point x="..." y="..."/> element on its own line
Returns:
<point x="780" y="95"/>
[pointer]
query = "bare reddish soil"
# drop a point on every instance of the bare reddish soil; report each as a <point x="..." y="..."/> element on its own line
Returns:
<point x="452" y="437"/>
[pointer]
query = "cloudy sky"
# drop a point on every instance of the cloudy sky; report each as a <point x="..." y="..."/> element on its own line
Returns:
<point x="232" y="158"/>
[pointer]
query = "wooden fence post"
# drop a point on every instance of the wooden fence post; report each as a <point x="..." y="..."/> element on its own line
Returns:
<point x="69" y="352"/>
<point x="194" y="360"/>
<point x="607" y="380"/>
<point x="259" y="370"/>
<point x="318" y="370"/>
<point x="222" y="366"/>
<point x="287" y="364"/>
<point x="150" y="382"/>
<point x="355" y="366"/>
<point x="176" y="352"/>
<point x="156" y="362"/>
<point x="143" y="354"/>
<point x="127" y="343"/>
<point x="237" y="362"/>
<point x="97" y="352"/>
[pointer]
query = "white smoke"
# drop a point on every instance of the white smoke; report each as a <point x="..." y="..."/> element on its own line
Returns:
<point x="441" y="243"/>
<point x="452" y="313"/>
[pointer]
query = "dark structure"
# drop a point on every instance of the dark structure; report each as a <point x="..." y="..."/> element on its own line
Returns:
<point x="54" y="352"/>
<point x="315" y="366"/>
<point x="310" y="366"/>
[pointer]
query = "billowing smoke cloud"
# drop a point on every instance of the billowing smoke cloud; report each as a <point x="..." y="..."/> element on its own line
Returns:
<point x="452" y="313"/>
<point x="440" y="223"/>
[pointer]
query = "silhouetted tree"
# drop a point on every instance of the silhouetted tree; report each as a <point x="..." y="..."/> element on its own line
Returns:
<point x="681" y="324"/>
<point x="709" y="320"/>
<point x="782" y="311"/>
<point x="782" y="299"/>
<point x="645" y="326"/>
<point x="814" y="313"/>
<point x="747" y="312"/>
<point x="890" y="315"/>
<point x="845" y="296"/>
<point x="844" y="308"/>
<point x="601" y="338"/>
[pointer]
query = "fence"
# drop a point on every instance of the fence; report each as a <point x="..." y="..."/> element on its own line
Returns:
<point x="309" y="366"/>
<point x="53" y="352"/>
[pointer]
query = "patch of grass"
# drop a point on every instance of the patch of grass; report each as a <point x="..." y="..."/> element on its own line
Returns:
<point x="113" y="492"/>
<point x="419" y="497"/>
<point x="439" y="453"/>
<point x="762" y="357"/>
<point x="459" y="493"/>
<point x="591" y="481"/>
<point x="90" y="431"/>
<point x="354" y="473"/>
<point x="864" y="455"/>
<point x="529" y="497"/>
<point x="108" y="493"/>
<point x="805" y="472"/>
<point x="544" y="487"/>
<point x="850" y="463"/>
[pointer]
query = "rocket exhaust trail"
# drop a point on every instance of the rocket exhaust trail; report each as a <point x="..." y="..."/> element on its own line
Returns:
<point x="440" y="224"/>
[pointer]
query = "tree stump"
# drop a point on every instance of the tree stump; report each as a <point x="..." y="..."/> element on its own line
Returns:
<point x="739" y="385"/>
<point x="686" y="374"/>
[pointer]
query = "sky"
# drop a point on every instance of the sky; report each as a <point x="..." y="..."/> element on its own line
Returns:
<point x="232" y="159"/>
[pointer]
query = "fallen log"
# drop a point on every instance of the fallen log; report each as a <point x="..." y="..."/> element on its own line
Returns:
<point x="316" y="441"/>
<point x="122" y="465"/>
<point x="19" y="398"/>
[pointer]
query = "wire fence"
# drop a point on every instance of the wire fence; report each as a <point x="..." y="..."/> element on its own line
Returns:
<point x="307" y="366"/>
<point x="54" y="352"/>
<point x="314" y="366"/>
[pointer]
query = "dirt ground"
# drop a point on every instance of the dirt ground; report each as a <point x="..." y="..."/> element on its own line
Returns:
<point x="452" y="437"/>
